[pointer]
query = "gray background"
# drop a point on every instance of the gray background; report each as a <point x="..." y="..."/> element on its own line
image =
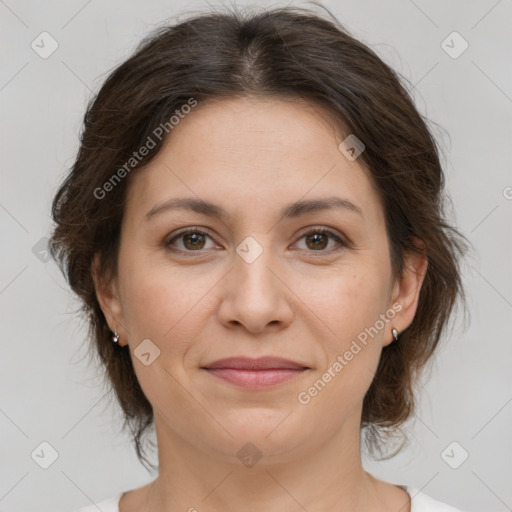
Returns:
<point x="49" y="390"/>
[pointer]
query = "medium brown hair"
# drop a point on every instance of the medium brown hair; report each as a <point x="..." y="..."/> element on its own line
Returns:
<point x="288" y="53"/>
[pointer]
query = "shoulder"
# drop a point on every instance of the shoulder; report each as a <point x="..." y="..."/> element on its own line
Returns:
<point x="108" y="505"/>
<point x="421" y="502"/>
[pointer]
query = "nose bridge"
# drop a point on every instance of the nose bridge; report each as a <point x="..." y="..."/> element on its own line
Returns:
<point x="255" y="296"/>
<point x="253" y="263"/>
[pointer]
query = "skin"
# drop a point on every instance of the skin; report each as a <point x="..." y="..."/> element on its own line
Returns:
<point x="297" y="300"/>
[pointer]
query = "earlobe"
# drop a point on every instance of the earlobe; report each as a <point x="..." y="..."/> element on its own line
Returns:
<point x="108" y="298"/>
<point x="406" y="292"/>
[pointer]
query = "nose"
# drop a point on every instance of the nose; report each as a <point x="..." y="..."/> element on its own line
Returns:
<point x="255" y="295"/>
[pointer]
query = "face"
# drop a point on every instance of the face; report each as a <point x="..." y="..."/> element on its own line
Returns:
<point x="252" y="277"/>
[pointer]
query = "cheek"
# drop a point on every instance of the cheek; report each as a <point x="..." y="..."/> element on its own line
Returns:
<point x="161" y="303"/>
<point x="146" y="302"/>
<point x="352" y="302"/>
<point x="351" y="354"/>
<point x="352" y="309"/>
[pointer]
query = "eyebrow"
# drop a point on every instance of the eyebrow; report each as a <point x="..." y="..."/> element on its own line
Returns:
<point x="290" y="211"/>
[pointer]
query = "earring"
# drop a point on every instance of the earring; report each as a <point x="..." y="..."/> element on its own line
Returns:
<point x="115" y="338"/>
<point x="395" y="334"/>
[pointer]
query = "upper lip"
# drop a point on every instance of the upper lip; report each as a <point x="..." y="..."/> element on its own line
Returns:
<point x="261" y="363"/>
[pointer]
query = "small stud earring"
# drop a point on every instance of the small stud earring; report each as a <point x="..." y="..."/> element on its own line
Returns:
<point x="115" y="337"/>
<point x="395" y="334"/>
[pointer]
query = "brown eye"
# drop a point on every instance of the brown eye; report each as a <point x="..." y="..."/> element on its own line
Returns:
<point x="317" y="240"/>
<point x="191" y="240"/>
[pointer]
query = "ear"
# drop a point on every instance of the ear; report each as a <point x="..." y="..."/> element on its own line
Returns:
<point x="406" y="291"/>
<point x="107" y="293"/>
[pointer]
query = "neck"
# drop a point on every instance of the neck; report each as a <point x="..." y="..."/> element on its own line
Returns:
<point x="325" y="476"/>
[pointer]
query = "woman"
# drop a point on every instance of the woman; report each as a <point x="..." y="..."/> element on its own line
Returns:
<point x="254" y="223"/>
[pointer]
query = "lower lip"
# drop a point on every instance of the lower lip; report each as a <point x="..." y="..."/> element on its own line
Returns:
<point x="255" y="379"/>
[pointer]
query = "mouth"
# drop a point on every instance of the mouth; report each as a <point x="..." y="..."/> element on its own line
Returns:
<point x="258" y="373"/>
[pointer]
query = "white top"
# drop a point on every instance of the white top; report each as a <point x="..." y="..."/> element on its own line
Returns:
<point x="420" y="502"/>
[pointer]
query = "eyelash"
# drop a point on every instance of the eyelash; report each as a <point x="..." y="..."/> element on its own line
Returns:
<point x="343" y="243"/>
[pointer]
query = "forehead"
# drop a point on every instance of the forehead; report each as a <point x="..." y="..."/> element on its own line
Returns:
<point x="257" y="127"/>
<point x="252" y="153"/>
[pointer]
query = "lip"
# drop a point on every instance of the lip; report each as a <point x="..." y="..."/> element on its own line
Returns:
<point x="260" y="363"/>
<point x="260" y="373"/>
